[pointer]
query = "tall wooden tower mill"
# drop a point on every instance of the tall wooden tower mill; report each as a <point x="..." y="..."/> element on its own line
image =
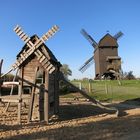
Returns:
<point x="105" y="56"/>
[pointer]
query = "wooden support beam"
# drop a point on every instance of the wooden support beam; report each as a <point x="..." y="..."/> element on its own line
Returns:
<point x="10" y="83"/>
<point x="6" y="72"/>
<point x="20" y="95"/>
<point x="41" y="102"/>
<point x="32" y="96"/>
<point x="13" y="98"/>
<point x="56" y="92"/>
<point x="10" y="100"/>
<point x="46" y="98"/>
<point x="19" y="112"/>
<point x="1" y="62"/>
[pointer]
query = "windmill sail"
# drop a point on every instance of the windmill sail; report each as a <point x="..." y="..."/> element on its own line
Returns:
<point x="89" y="38"/>
<point x="33" y="48"/>
<point x="86" y="65"/>
<point x="118" y="35"/>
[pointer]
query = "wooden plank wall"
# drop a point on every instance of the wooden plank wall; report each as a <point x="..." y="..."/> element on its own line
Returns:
<point x="29" y="69"/>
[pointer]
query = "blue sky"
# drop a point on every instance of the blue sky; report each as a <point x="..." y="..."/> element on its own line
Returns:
<point x="68" y="45"/>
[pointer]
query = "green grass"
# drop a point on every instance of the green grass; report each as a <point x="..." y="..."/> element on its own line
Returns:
<point x="130" y="89"/>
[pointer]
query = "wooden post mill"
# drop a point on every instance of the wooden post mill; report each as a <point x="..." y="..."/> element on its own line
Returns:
<point x="107" y="61"/>
<point x="38" y="74"/>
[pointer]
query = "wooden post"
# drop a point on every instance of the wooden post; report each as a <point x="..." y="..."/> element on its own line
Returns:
<point x="119" y="80"/>
<point x="80" y="85"/>
<point x="106" y="87"/>
<point x="19" y="110"/>
<point x="89" y="87"/>
<point x="46" y="98"/>
<point x="111" y="93"/>
<point x="32" y="96"/>
<point x="41" y="102"/>
<point x="19" y="95"/>
<point x="56" y="94"/>
<point x="0" y="74"/>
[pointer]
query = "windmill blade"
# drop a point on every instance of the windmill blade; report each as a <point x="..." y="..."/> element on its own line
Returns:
<point x="44" y="38"/>
<point x="118" y="35"/>
<point x="50" y="33"/>
<point x="33" y="48"/>
<point x="21" y="34"/>
<point x="86" y="65"/>
<point x="89" y="38"/>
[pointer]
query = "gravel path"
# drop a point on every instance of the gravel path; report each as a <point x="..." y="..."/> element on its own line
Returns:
<point x="78" y="120"/>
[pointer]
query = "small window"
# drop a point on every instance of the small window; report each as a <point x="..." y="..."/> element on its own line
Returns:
<point x="40" y="77"/>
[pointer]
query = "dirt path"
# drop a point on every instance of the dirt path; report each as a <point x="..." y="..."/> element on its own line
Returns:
<point x="78" y="120"/>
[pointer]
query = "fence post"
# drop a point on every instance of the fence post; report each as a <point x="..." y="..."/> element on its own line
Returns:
<point x="106" y="87"/>
<point x="89" y="87"/>
<point x="1" y="61"/>
<point x="111" y="93"/>
<point x="80" y="85"/>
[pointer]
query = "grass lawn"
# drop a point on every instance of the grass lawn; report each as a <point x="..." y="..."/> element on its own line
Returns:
<point x="130" y="89"/>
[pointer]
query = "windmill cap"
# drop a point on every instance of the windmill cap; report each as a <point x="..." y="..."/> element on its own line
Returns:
<point x="108" y="41"/>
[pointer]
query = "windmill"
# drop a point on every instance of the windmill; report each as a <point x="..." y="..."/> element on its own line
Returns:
<point x="36" y="57"/>
<point x="33" y="48"/>
<point x="105" y="54"/>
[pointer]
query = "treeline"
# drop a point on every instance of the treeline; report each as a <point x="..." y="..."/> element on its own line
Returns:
<point x="124" y="76"/>
<point x="128" y="75"/>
